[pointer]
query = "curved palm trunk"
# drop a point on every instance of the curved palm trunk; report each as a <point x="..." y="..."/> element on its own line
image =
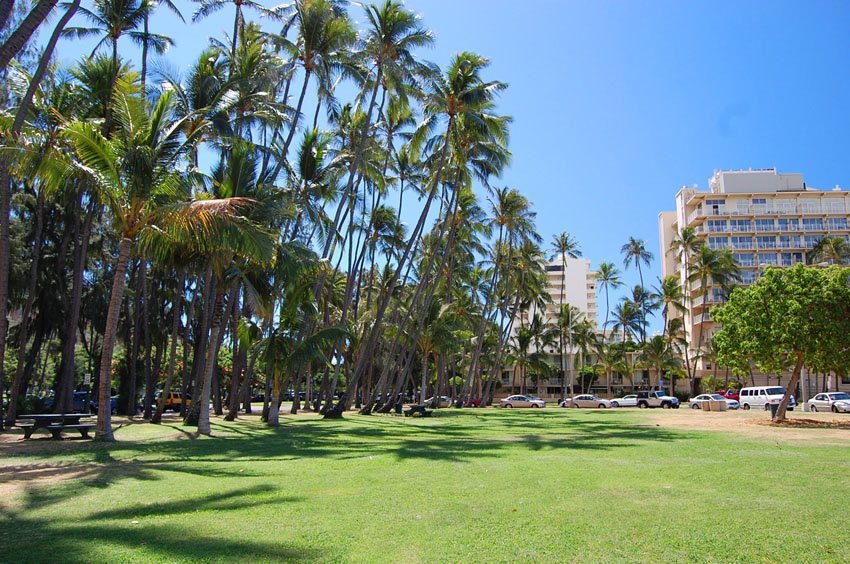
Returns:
<point x="104" y="410"/>
<point x="24" y="32"/>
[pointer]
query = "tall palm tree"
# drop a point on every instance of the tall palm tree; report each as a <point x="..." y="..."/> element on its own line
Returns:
<point x="634" y="252"/>
<point x="671" y="297"/>
<point x="626" y="318"/>
<point x="135" y="175"/>
<point x="608" y="276"/>
<point x="460" y="99"/>
<point x="564" y="246"/>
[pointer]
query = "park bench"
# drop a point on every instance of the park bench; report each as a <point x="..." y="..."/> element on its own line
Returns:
<point x="55" y="423"/>
<point x="420" y="409"/>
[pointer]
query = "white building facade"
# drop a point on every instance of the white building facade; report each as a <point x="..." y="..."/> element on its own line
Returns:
<point x="764" y="218"/>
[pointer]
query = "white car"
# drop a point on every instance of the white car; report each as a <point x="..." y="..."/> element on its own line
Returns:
<point x="444" y="401"/>
<point x="585" y="400"/>
<point x="832" y="401"/>
<point x="522" y="401"/>
<point x="625" y="401"/>
<point x="696" y="403"/>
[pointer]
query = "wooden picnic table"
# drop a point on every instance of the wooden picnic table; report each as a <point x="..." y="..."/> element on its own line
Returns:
<point x="55" y="423"/>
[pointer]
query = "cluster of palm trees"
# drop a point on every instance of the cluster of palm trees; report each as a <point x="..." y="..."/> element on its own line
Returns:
<point x="236" y="228"/>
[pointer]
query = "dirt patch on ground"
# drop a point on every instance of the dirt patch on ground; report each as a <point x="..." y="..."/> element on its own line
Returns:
<point x="833" y="428"/>
<point x="808" y="424"/>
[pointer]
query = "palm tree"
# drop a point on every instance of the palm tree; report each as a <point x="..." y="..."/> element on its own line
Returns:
<point x="832" y="250"/>
<point x="635" y="252"/>
<point x="608" y="277"/>
<point x="657" y="354"/>
<point x="627" y="318"/>
<point x="671" y="297"/>
<point x="564" y="246"/>
<point x="135" y="176"/>
<point x="460" y="99"/>
<point x="112" y="19"/>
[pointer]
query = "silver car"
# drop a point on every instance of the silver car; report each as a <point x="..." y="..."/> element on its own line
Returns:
<point x="696" y="403"/>
<point x="522" y="401"/>
<point x="586" y="400"/>
<point x="625" y="401"/>
<point x="832" y="401"/>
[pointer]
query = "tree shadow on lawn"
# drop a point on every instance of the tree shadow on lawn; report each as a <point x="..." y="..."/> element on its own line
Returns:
<point x="33" y="538"/>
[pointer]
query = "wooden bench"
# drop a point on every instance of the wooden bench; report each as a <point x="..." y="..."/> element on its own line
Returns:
<point x="56" y="430"/>
<point x="420" y="409"/>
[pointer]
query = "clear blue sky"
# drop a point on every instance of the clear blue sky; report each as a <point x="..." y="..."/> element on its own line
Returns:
<point x="618" y="104"/>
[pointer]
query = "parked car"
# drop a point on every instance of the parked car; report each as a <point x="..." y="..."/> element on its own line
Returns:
<point x="625" y="401"/>
<point x="522" y="401"/>
<point x="442" y="401"/>
<point x="585" y="400"/>
<point x="173" y="401"/>
<point x="78" y="404"/>
<point x="696" y="402"/>
<point x="730" y="394"/>
<point x="472" y="402"/>
<point x="113" y="401"/>
<point x="763" y="396"/>
<point x="832" y="401"/>
<point x="656" y="399"/>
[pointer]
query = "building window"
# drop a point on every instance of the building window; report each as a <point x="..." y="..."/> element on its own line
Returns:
<point x="715" y="202"/>
<point x="767" y="258"/>
<point x="759" y="200"/>
<point x="813" y="224"/>
<point x="717" y="226"/>
<point x="766" y="242"/>
<point x="741" y="225"/>
<point x="790" y="241"/>
<point x="812" y="240"/>
<point x="790" y="259"/>
<point x="748" y="277"/>
<point x="789" y="224"/>
<point x="765" y="225"/>
<point x="717" y="243"/>
<point x="837" y="223"/>
<point x="742" y="243"/>
<point x="554" y="268"/>
<point x="744" y="259"/>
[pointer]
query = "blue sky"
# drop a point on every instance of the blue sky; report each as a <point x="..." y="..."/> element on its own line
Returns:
<point x="618" y="104"/>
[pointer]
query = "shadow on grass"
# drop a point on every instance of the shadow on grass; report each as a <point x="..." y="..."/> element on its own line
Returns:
<point x="110" y="535"/>
<point x="37" y="532"/>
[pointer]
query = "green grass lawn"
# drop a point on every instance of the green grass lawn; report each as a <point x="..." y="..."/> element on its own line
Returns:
<point x="470" y="485"/>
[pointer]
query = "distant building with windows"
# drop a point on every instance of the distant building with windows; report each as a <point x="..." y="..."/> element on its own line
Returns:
<point x="764" y="218"/>
<point x="579" y="287"/>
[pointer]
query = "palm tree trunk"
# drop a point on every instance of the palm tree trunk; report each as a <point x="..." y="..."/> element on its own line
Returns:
<point x="104" y="410"/>
<point x="65" y="388"/>
<point x="210" y="363"/>
<point x="18" y="38"/>
<point x="23" y="327"/>
<point x="296" y="115"/>
<point x="172" y="356"/>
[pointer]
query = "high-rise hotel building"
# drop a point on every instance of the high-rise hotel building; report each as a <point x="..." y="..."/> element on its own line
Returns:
<point x="764" y="217"/>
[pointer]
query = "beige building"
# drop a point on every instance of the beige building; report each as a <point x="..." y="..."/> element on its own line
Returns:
<point x="579" y="286"/>
<point x="765" y="218"/>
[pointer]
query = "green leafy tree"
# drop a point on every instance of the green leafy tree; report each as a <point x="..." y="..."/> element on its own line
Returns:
<point x="794" y="316"/>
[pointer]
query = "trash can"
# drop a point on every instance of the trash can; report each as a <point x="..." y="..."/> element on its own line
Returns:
<point x="774" y="407"/>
